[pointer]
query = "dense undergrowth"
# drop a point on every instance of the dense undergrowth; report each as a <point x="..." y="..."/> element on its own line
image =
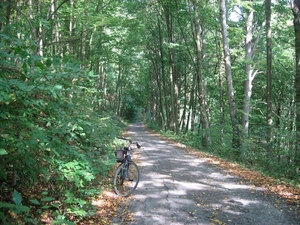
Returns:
<point x="54" y="182"/>
<point x="53" y="167"/>
<point x="56" y="145"/>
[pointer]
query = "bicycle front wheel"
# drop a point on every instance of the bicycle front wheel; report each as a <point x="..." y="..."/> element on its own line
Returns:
<point x="126" y="179"/>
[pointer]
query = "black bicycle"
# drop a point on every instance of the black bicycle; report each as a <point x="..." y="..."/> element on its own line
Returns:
<point x="127" y="175"/>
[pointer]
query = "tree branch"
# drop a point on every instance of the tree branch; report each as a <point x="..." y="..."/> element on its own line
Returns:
<point x="26" y="18"/>
<point x="49" y="17"/>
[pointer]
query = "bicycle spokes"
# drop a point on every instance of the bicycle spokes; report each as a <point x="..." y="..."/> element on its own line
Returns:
<point x="126" y="179"/>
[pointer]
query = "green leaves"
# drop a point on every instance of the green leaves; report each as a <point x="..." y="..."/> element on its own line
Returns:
<point x="62" y="221"/>
<point x="3" y="151"/>
<point x="54" y="132"/>
<point x="20" y="85"/>
<point x="34" y="201"/>
<point x="50" y="134"/>
<point x="17" y="207"/>
<point x="17" y="198"/>
<point x="47" y="199"/>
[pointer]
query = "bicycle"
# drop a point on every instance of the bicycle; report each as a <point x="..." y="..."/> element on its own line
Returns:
<point x="127" y="175"/>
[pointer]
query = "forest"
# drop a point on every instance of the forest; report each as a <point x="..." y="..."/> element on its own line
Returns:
<point x="220" y="76"/>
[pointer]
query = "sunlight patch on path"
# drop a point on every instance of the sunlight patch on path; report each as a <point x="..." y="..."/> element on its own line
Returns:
<point x="178" y="188"/>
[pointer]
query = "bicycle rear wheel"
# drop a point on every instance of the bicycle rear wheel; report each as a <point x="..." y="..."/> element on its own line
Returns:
<point x="126" y="182"/>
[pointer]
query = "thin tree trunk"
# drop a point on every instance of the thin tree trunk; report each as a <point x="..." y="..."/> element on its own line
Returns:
<point x="161" y="114"/>
<point x="269" y="75"/>
<point x="8" y="12"/>
<point x="250" y="46"/>
<point x="201" y="86"/>
<point x="249" y="73"/>
<point x="183" y="115"/>
<point x="218" y="71"/>
<point x="41" y="31"/>
<point x="230" y="90"/>
<point x="30" y="3"/>
<point x="84" y="37"/>
<point x="172" y="72"/>
<point x="191" y="119"/>
<point x="71" y="47"/>
<point x="296" y="12"/>
<point x="164" y="102"/>
<point x="1" y="24"/>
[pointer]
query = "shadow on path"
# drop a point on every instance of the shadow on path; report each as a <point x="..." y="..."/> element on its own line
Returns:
<point x="177" y="188"/>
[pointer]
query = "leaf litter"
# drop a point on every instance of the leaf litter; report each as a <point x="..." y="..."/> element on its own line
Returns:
<point x="108" y="205"/>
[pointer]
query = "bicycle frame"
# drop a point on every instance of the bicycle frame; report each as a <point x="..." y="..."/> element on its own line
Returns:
<point x="127" y="173"/>
<point x="125" y="166"/>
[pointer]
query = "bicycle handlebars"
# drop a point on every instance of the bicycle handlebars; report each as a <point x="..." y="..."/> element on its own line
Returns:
<point x="130" y="141"/>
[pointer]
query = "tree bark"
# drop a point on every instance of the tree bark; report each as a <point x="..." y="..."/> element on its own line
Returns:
<point x="41" y="31"/>
<point x="296" y="13"/>
<point x="84" y="36"/>
<point x="8" y="12"/>
<point x="269" y="75"/>
<point x="249" y="72"/>
<point x="230" y="89"/>
<point x="163" y="97"/>
<point x="172" y="72"/>
<point x="201" y="86"/>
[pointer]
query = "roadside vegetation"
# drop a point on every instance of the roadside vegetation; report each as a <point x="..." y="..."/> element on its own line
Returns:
<point x="71" y="73"/>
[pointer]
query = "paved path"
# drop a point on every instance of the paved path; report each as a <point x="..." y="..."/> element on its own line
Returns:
<point x="176" y="188"/>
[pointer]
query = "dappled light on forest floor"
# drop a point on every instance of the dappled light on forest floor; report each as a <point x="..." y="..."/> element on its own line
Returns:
<point x="178" y="185"/>
<point x="283" y="189"/>
<point x="181" y="185"/>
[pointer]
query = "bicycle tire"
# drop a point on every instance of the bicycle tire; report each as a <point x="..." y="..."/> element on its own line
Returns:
<point x="124" y="187"/>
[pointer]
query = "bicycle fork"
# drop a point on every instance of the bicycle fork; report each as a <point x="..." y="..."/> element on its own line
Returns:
<point x="124" y="171"/>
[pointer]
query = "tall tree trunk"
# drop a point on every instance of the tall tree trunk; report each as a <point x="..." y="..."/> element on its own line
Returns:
<point x="101" y="94"/>
<point x="172" y="72"/>
<point x="1" y="24"/>
<point x="41" y="30"/>
<point x="84" y="36"/>
<point x="8" y="12"/>
<point x="192" y="107"/>
<point x="71" y="47"/>
<point x="230" y="90"/>
<point x="31" y="11"/>
<point x="296" y="12"/>
<point x="161" y="117"/>
<point x="222" y="100"/>
<point x="269" y="75"/>
<point x="197" y="30"/>
<point x="250" y="46"/>
<point x="249" y="72"/>
<point x="164" y="101"/>
<point x="185" y="95"/>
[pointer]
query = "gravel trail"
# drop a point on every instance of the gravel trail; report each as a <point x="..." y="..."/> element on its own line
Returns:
<point x="177" y="188"/>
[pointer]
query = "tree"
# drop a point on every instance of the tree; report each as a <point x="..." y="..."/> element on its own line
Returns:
<point x="230" y="89"/>
<point x="269" y="73"/>
<point x="197" y="31"/>
<point x="167" y="10"/>
<point x="296" y="13"/>
<point x="250" y="48"/>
